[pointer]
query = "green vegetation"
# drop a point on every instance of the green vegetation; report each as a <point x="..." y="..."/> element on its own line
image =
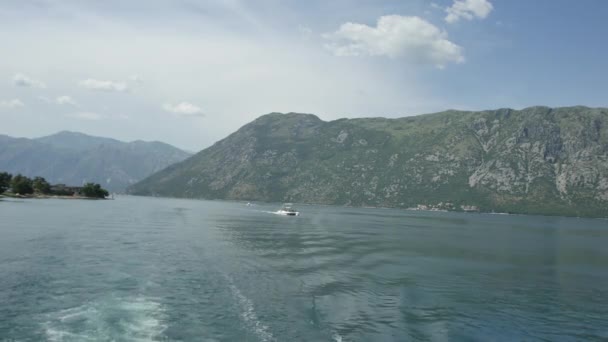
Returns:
<point x="41" y="186"/>
<point x="94" y="191"/>
<point x="538" y="160"/>
<point x="5" y="181"/>
<point x="21" y="185"/>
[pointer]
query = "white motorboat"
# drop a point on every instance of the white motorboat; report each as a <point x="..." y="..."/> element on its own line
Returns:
<point x="288" y="210"/>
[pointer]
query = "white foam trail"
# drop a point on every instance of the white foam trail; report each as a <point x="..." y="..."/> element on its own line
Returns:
<point x="249" y="316"/>
<point x="147" y="323"/>
<point x="275" y="213"/>
<point x="337" y="337"/>
<point x="132" y="319"/>
<point x="58" y="335"/>
<point x="268" y="212"/>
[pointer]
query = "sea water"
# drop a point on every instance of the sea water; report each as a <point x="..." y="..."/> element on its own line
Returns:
<point x="150" y="269"/>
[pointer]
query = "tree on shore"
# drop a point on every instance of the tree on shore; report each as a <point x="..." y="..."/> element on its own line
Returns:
<point x="41" y="186"/>
<point x="94" y="190"/>
<point x="22" y="185"/>
<point x="5" y="181"/>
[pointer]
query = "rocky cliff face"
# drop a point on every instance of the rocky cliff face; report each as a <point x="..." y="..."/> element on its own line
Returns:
<point x="538" y="160"/>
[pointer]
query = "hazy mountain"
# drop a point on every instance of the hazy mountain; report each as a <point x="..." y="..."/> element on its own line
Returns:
<point x="73" y="158"/>
<point x="77" y="141"/>
<point x="537" y="160"/>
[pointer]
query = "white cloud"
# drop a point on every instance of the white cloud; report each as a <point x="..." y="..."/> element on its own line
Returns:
<point x="45" y="99"/>
<point x="468" y="9"/>
<point x="86" y="116"/>
<point x="22" y="80"/>
<point x="135" y="79"/>
<point x="93" y="84"/>
<point x="411" y="38"/>
<point x="65" y="100"/>
<point x="183" y="109"/>
<point x="305" y="32"/>
<point x="14" y="103"/>
<point x="181" y="54"/>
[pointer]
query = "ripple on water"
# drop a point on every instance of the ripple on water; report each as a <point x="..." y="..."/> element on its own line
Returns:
<point x="75" y="271"/>
<point x="109" y="319"/>
<point x="249" y="315"/>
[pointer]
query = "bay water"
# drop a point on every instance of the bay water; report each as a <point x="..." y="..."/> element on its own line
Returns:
<point x="154" y="269"/>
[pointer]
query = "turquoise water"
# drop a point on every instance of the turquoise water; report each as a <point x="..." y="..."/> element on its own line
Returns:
<point x="145" y="269"/>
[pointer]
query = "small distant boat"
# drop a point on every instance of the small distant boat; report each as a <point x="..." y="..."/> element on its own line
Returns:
<point x="288" y="210"/>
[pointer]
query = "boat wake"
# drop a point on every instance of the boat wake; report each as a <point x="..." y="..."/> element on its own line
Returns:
<point x="337" y="337"/>
<point x="114" y="319"/>
<point x="248" y="314"/>
<point x="278" y="212"/>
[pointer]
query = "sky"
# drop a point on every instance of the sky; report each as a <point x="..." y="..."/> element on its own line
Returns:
<point x="191" y="72"/>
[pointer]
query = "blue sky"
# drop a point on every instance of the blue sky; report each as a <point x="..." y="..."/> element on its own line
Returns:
<point x="190" y="72"/>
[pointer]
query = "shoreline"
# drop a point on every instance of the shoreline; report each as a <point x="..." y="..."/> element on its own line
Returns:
<point x="479" y="211"/>
<point x="51" y="197"/>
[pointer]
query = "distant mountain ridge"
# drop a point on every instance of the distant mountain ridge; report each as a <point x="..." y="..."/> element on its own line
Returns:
<point x="74" y="158"/>
<point x="76" y="140"/>
<point x="538" y="160"/>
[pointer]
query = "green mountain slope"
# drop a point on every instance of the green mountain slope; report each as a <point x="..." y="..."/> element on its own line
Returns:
<point x="538" y="160"/>
<point x="74" y="158"/>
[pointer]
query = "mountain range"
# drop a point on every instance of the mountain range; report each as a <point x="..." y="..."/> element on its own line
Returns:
<point x="74" y="158"/>
<point x="537" y="160"/>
